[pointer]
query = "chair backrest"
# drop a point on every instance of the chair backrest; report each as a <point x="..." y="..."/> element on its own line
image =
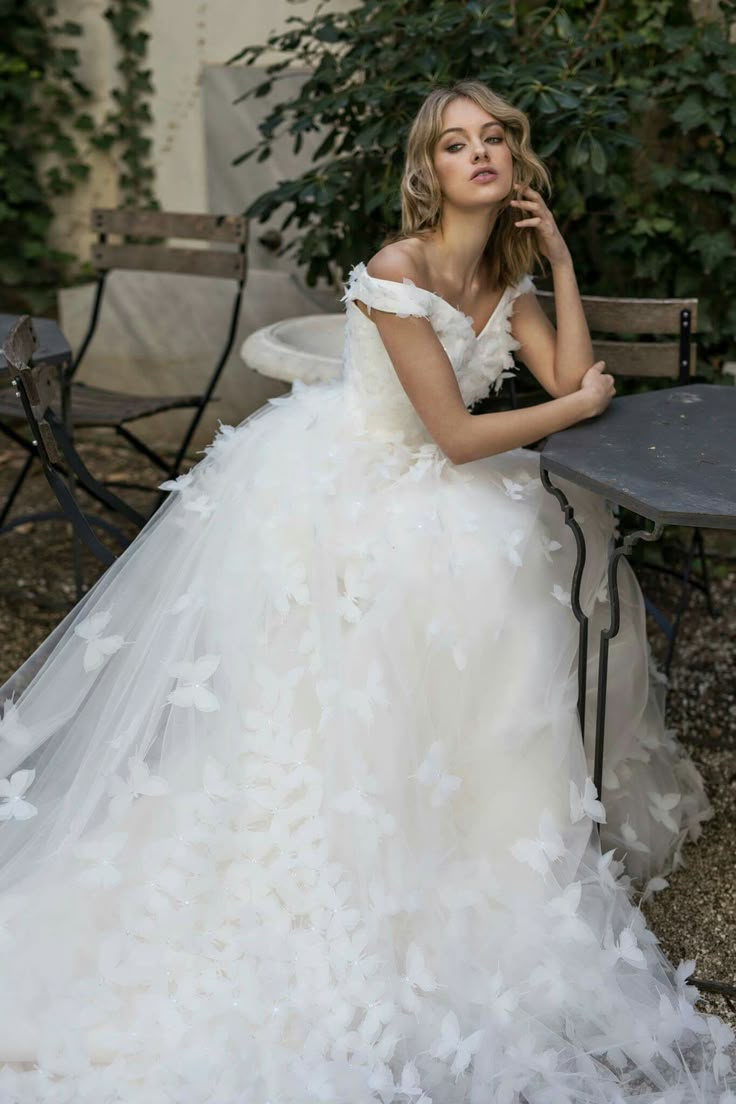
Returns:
<point x="612" y="315"/>
<point x="227" y="230"/>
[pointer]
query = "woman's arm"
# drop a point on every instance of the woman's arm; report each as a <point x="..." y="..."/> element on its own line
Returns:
<point x="427" y="376"/>
<point x="560" y="359"/>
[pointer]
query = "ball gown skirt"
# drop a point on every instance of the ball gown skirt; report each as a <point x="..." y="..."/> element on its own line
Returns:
<point x="294" y="803"/>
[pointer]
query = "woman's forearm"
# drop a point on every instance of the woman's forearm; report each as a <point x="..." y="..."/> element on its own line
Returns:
<point x="488" y="434"/>
<point x="573" y="349"/>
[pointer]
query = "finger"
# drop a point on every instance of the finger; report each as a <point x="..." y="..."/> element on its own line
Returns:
<point x="529" y="222"/>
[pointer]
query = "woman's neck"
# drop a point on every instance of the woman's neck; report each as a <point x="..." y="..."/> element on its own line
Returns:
<point x="455" y="252"/>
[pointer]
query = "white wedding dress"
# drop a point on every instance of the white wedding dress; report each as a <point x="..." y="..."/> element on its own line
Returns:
<point x="295" y="804"/>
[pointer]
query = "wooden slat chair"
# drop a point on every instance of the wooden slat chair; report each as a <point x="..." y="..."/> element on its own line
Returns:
<point x="618" y="320"/>
<point x="620" y="317"/>
<point x="101" y="407"/>
<point x="64" y="469"/>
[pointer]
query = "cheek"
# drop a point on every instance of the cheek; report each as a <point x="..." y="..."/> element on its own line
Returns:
<point x="446" y="169"/>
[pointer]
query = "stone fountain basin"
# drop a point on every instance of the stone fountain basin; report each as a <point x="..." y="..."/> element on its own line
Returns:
<point x="308" y="348"/>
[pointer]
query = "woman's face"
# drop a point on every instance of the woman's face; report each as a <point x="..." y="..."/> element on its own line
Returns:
<point x="472" y="140"/>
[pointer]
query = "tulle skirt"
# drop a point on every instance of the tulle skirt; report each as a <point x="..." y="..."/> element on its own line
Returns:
<point x="296" y="805"/>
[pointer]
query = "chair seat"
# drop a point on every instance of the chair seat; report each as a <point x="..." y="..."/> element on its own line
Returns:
<point x="94" y="406"/>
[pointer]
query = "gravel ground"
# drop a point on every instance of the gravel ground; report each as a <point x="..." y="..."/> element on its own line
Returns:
<point x="695" y="917"/>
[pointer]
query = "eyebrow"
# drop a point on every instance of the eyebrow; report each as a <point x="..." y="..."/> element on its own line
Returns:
<point x="464" y="131"/>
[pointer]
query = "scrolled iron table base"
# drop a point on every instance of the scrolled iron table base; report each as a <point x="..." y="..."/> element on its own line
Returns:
<point x="617" y="551"/>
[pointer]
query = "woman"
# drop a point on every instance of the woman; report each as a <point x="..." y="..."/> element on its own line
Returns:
<point x="297" y="807"/>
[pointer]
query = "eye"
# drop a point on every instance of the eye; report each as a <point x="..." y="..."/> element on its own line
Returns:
<point x="454" y="146"/>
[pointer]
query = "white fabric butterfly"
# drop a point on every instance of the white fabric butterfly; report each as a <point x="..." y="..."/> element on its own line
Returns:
<point x="202" y="505"/>
<point x="290" y="585"/>
<point x="564" y="909"/>
<point x="601" y="595"/>
<point x="101" y="873"/>
<point x="654" y="885"/>
<point x="99" y="647"/>
<point x="625" y="948"/>
<point x="609" y="870"/>
<point x="723" y="1036"/>
<point x="502" y="1001"/>
<point x="548" y="846"/>
<point x="549" y="545"/>
<point x="178" y="484"/>
<point x="586" y="804"/>
<point x="631" y="838"/>
<point x="215" y="780"/>
<point x="675" y="1017"/>
<point x="431" y="773"/>
<point x="140" y="783"/>
<point x="513" y="490"/>
<point x="529" y="1057"/>
<point x="14" y="805"/>
<point x="12" y="730"/>
<point x="510" y="543"/>
<point x="418" y="978"/>
<point x="683" y="972"/>
<point x="360" y="701"/>
<point x="382" y="1081"/>
<point x="611" y="780"/>
<point x="192" y="693"/>
<point x="189" y="600"/>
<point x="660" y="806"/>
<point x="356" y="588"/>
<point x="452" y="1044"/>
<point x="564" y="597"/>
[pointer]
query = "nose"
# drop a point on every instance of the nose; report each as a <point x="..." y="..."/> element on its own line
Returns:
<point x="480" y="151"/>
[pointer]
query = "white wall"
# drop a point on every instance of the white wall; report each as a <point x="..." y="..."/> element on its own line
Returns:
<point x="196" y="133"/>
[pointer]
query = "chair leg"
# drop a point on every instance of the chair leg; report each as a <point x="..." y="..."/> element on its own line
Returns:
<point x="86" y="480"/>
<point x="99" y="292"/>
<point x="143" y="448"/>
<point x="234" y="316"/>
<point x="13" y="493"/>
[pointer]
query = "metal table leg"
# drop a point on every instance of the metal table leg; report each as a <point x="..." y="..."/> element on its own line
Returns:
<point x="705" y="985"/>
<point x="607" y="634"/>
<point x="577" y="579"/>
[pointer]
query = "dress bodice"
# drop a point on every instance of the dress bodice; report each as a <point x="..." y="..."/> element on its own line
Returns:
<point x="375" y="396"/>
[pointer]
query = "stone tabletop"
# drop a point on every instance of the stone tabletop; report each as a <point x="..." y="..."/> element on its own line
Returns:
<point x="669" y="455"/>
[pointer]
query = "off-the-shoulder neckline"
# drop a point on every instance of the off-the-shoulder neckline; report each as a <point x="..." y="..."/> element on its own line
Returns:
<point x="360" y="269"/>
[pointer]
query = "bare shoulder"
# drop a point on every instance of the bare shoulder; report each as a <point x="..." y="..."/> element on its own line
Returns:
<point x="397" y="260"/>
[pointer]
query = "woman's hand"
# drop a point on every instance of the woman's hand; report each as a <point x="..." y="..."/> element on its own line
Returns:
<point x="550" y="241"/>
<point x="598" y="389"/>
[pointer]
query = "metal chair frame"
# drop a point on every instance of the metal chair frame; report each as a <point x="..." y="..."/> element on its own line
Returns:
<point x="214" y="262"/>
<point x="62" y="466"/>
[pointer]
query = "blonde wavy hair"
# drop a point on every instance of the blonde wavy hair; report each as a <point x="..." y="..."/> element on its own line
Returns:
<point x="510" y="253"/>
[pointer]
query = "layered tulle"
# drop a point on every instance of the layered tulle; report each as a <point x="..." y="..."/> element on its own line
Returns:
<point x="296" y="803"/>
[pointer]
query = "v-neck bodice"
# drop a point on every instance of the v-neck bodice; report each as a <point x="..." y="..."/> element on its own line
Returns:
<point x="480" y="361"/>
<point x="441" y="299"/>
